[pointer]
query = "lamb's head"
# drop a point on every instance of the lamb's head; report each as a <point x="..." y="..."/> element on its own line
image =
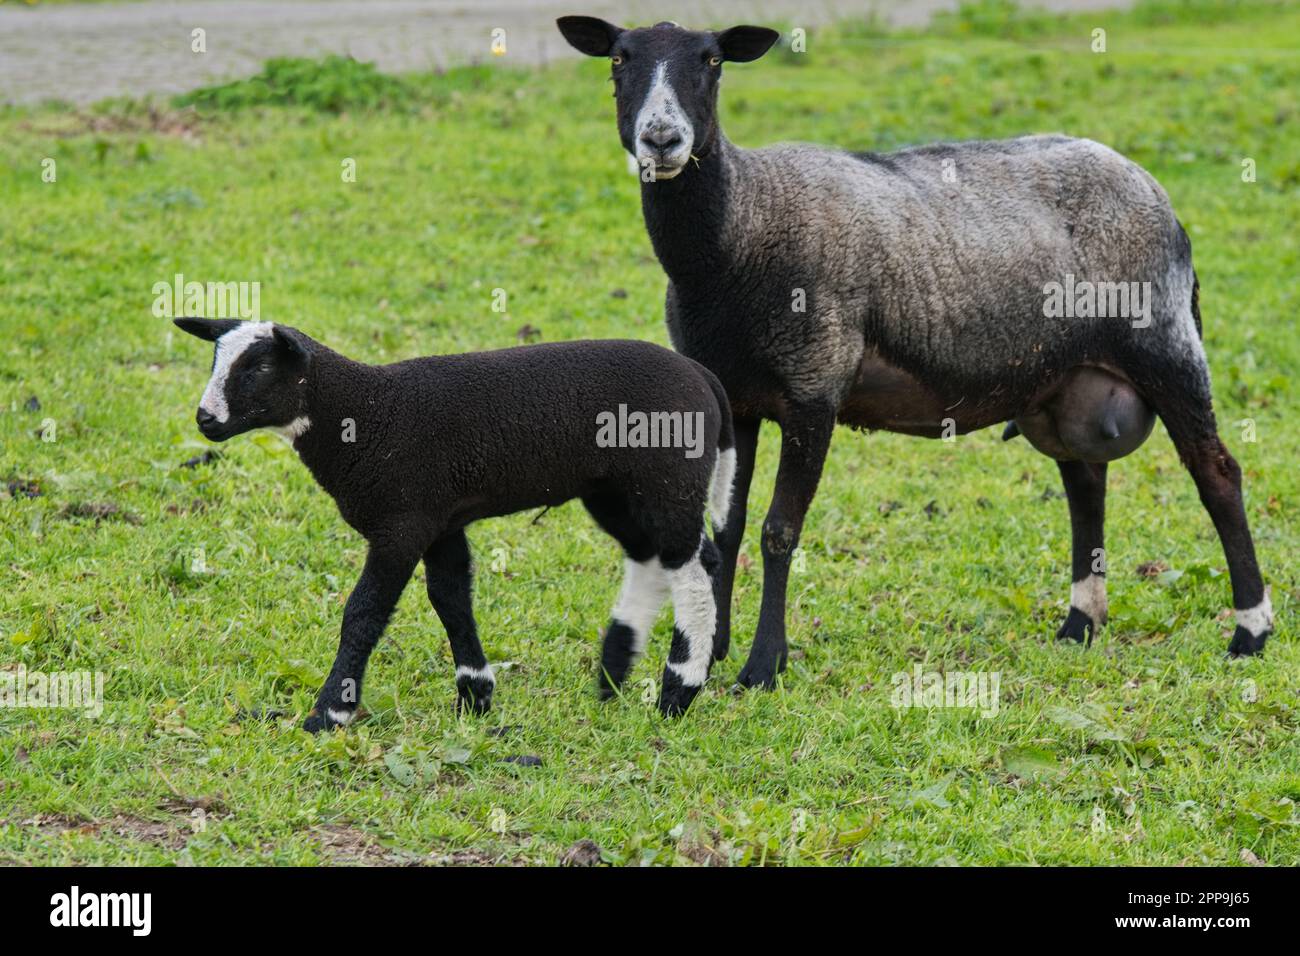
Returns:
<point x="666" y="83"/>
<point x="259" y="377"/>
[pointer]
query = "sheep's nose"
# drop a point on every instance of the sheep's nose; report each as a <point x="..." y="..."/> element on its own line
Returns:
<point x="663" y="139"/>
<point x="205" y="418"/>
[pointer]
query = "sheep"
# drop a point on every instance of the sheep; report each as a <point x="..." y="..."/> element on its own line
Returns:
<point x="930" y="291"/>
<point x="414" y="452"/>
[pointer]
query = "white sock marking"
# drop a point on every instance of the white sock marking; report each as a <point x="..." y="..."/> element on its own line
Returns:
<point x="1258" y="619"/>
<point x="476" y="673"/>
<point x="645" y="587"/>
<point x="343" y="717"/>
<point x="696" y="616"/>
<point x="1089" y="596"/>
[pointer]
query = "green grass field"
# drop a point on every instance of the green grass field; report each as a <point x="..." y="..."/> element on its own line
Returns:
<point x="1148" y="748"/>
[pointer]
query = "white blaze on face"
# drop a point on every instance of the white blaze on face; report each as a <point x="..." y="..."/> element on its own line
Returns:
<point x="229" y="347"/>
<point x="661" y="113"/>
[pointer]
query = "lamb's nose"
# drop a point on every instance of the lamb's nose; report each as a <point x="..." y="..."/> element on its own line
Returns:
<point x="205" y="418"/>
<point x="664" y="139"/>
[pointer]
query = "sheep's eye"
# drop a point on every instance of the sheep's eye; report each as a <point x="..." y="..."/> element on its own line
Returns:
<point x="264" y="367"/>
<point x="715" y="61"/>
<point x="616" y="60"/>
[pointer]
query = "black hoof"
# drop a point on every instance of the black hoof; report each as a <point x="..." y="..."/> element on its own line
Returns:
<point x="316" y="722"/>
<point x="1246" y="644"/>
<point x="1078" y="627"/>
<point x="721" y="647"/>
<point x="761" y="674"/>
<point x="474" y="695"/>
<point x="674" y="696"/>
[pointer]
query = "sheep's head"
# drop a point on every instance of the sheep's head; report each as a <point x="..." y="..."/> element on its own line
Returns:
<point x="259" y="377"/>
<point x="666" y="83"/>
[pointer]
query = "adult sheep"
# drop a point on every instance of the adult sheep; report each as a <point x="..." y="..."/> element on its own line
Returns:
<point x="911" y="291"/>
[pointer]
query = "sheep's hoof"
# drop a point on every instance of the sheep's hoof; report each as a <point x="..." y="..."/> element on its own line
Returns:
<point x="674" y="696"/>
<point x="761" y="674"/>
<point x="472" y="703"/>
<point x="317" y="722"/>
<point x="1246" y="644"/>
<point x="1078" y="627"/>
<point x="721" y="647"/>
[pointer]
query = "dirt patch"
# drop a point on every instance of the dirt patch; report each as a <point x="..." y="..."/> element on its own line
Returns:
<point x="343" y="845"/>
<point x="185" y="124"/>
<point x="158" y="833"/>
<point x="346" y="845"/>
<point x="99" y="511"/>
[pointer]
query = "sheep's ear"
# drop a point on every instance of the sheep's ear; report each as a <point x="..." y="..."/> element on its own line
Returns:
<point x="297" y="344"/>
<point x="207" y="329"/>
<point x="590" y="35"/>
<point x="742" y="44"/>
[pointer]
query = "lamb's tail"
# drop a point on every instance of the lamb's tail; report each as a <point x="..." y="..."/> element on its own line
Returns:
<point x="724" y="468"/>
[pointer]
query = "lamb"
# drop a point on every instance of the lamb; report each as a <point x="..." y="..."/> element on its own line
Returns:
<point x="919" y="291"/>
<point x="414" y="452"/>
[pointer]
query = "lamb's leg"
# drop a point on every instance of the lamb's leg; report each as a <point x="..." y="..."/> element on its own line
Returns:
<point x="449" y="579"/>
<point x="695" y="617"/>
<point x="729" y="538"/>
<point x="366" y="615"/>
<point x="1085" y="487"/>
<point x="805" y="439"/>
<point x="645" y="586"/>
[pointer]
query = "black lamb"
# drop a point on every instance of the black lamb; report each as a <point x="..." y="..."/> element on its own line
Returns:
<point x="415" y="451"/>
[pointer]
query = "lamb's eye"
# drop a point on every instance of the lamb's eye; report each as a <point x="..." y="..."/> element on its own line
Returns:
<point x="264" y="367"/>
<point x="616" y="60"/>
<point x="715" y="61"/>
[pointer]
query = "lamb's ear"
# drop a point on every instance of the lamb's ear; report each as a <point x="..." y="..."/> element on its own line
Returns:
<point x="742" y="44"/>
<point x="297" y="344"/>
<point x="590" y="35"/>
<point x="207" y="329"/>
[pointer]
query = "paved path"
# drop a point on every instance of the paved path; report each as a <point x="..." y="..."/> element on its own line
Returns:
<point x="86" y="52"/>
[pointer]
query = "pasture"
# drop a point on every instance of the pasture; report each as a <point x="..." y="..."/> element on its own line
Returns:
<point x="492" y="205"/>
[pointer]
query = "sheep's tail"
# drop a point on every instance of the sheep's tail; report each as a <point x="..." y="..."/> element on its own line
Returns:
<point x="724" y="467"/>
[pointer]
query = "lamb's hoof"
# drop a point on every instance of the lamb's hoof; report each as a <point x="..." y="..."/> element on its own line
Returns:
<point x="607" y="684"/>
<point x="316" y="722"/>
<point x="1078" y="627"/>
<point x="1246" y="644"/>
<point x="721" y="647"/>
<point x="761" y="674"/>
<point x="473" y="701"/>
<point x="674" y="696"/>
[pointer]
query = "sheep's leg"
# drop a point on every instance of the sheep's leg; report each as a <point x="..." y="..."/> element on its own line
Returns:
<point x="366" y="615"/>
<point x="805" y="439"/>
<point x="1218" y="481"/>
<point x="1180" y="393"/>
<point x="729" y="538"/>
<point x="695" y="618"/>
<point x="644" y="589"/>
<point x="449" y="579"/>
<point x="1085" y="487"/>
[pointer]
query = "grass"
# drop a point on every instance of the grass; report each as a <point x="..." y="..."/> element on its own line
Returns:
<point x="1148" y="748"/>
